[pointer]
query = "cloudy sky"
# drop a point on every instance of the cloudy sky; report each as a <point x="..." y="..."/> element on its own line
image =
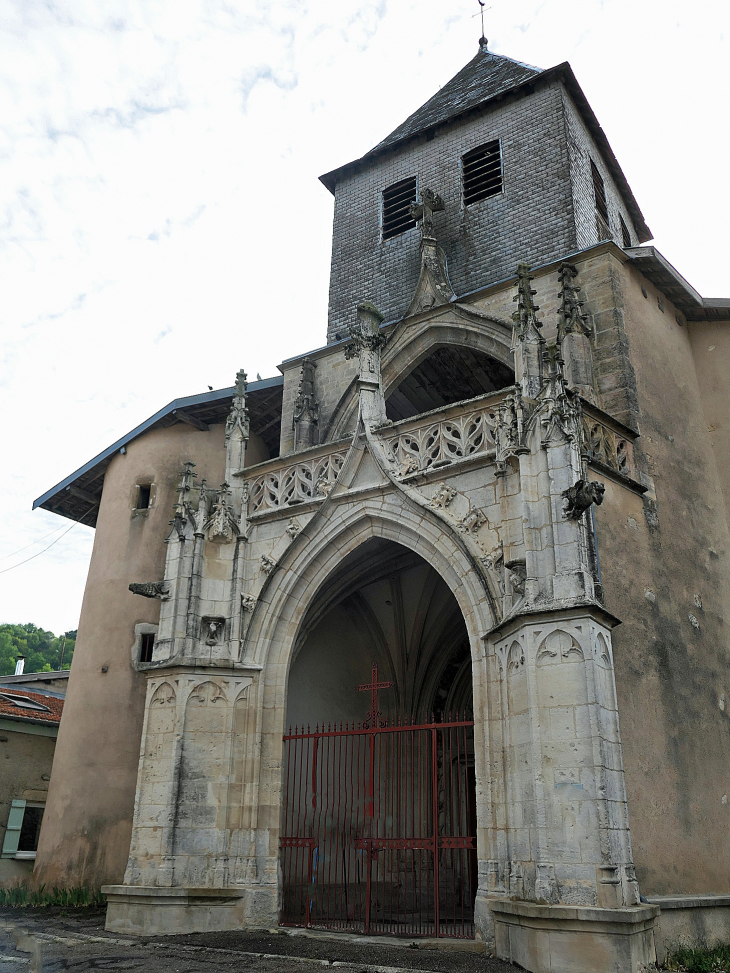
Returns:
<point x="162" y="220"/>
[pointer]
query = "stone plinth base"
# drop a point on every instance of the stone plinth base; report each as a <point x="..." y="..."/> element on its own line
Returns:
<point x="691" y="920"/>
<point x="574" y="939"/>
<point x="148" y="910"/>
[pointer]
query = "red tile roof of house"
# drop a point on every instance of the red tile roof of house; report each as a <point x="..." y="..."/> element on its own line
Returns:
<point x="23" y="705"/>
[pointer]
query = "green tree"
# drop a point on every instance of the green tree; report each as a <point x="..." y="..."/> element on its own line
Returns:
<point x="42" y="649"/>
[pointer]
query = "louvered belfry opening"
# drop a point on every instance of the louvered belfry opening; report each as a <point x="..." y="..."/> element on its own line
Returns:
<point x="625" y="235"/>
<point x="599" y="191"/>
<point x="396" y="207"/>
<point x="482" y="172"/>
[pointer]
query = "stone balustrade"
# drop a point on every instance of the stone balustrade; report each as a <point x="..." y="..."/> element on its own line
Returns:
<point x="295" y="482"/>
<point x="423" y="444"/>
<point x="466" y="430"/>
<point x="610" y="447"/>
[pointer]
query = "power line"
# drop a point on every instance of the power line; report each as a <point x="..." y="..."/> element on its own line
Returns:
<point x="20" y="551"/>
<point x="5" y="570"/>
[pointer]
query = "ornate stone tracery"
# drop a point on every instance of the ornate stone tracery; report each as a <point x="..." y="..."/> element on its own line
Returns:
<point x="298" y="483"/>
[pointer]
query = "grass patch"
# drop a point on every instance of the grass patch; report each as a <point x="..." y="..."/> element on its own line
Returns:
<point x="79" y="898"/>
<point x="715" y="960"/>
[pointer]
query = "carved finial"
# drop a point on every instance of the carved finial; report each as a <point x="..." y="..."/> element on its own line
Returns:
<point x="525" y="317"/>
<point x="433" y="287"/>
<point x="306" y="408"/>
<point x="183" y="490"/>
<point x="237" y="420"/>
<point x="241" y="383"/>
<point x="527" y="340"/>
<point x="571" y="319"/>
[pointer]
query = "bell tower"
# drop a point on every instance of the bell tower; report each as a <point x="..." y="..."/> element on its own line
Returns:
<point x="524" y="172"/>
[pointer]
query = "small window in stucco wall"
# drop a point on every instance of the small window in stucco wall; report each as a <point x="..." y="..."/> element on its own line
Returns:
<point x="145" y="636"/>
<point x="23" y="829"/>
<point x="143" y="497"/>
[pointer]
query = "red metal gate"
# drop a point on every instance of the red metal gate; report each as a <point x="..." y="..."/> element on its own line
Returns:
<point x="379" y="828"/>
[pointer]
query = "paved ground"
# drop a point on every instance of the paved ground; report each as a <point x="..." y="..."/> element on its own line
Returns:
<point x="52" y="940"/>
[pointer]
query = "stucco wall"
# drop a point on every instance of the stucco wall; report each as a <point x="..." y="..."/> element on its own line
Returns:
<point x="660" y="566"/>
<point x="26" y="759"/>
<point x="710" y="342"/>
<point x="86" y="829"/>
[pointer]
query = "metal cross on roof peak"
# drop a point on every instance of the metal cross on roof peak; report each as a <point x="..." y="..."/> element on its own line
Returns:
<point x="373" y="687"/>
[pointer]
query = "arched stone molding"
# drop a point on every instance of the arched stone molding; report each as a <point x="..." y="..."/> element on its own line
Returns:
<point x="290" y="591"/>
<point x="414" y="340"/>
<point x="309" y="561"/>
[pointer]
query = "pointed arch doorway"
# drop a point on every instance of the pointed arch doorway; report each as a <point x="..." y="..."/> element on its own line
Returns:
<point x="379" y="815"/>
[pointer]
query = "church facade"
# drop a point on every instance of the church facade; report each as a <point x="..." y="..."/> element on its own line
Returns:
<point x="426" y="636"/>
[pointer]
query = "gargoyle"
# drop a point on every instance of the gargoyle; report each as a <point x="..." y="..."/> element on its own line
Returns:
<point x="579" y="497"/>
<point x="151" y="589"/>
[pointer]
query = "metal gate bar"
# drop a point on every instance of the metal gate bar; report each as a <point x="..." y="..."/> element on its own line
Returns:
<point x="379" y="832"/>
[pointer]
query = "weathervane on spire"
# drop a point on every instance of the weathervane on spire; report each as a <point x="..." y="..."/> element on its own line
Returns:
<point x="482" y="39"/>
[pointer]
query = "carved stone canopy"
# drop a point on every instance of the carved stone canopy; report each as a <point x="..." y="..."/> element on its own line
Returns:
<point x="222" y="525"/>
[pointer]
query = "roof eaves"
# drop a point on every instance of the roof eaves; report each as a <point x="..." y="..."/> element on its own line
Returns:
<point x="667" y="279"/>
<point x="52" y="721"/>
<point x="183" y="403"/>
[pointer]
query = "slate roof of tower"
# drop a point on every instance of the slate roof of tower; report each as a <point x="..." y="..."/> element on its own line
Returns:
<point x="484" y="77"/>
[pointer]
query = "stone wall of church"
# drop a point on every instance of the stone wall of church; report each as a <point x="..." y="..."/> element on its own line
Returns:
<point x="664" y="563"/>
<point x="531" y="220"/>
<point x="710" y="341"/>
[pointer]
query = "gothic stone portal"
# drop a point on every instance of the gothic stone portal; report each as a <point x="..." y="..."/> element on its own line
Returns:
<point x="379" y="830"/>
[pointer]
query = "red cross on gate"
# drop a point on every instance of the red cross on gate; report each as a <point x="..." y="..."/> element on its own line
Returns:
<point x="373" y="687"/>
